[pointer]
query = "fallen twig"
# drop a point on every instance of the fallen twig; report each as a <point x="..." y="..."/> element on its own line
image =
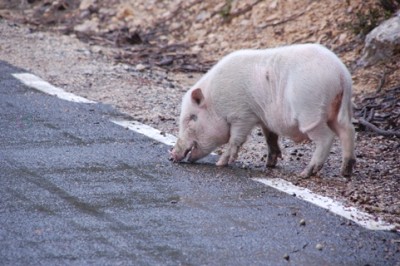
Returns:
<point x="178" y="9"/>
<point x="243" y="10"/>
<point x="371" y="115"/>
<point x="381" y="81"/>
<point x="387" y="133"/>
<point x="276" y="23"/>
<point x="229" y="16"/>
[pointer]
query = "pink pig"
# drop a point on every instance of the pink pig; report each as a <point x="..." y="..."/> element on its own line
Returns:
<point x="300" y="91"/>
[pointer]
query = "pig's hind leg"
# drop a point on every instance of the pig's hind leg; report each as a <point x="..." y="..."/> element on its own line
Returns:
<point x="346" y="134"/>
<point x="274" y="152"/>
<point x="323" y="137"/>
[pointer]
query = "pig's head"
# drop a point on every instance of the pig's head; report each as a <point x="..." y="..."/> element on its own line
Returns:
<point x="201" y="130"/>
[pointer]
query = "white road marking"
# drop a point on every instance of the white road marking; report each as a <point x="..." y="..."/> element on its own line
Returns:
<point x="39" y="84"/>
<point x="351" y="213"/>
<point x="148" y="131"/>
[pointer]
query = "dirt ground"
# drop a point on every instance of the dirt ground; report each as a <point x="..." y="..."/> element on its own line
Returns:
<point x="141" y="56"/>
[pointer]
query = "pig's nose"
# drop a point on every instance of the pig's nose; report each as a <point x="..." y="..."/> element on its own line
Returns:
<point x="171" y="155"/>
<point x="195" y="145"/>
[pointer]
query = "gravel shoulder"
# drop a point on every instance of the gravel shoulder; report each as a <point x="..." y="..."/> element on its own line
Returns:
<point x="153" y="96"/>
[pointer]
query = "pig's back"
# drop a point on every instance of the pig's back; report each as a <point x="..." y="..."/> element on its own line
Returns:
<point x="280" y="85"/>
<point x="289" y="88"/>
<point x="308" y="78"/>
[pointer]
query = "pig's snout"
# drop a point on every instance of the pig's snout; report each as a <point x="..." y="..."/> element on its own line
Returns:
<point x="178" y="153"/>
<point x="173" y="156"/>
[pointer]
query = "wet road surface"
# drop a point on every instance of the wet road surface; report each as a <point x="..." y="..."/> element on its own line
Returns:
<point x="78" y="189"/>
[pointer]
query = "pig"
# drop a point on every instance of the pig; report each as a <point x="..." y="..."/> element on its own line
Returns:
<point x="302" y="92"/>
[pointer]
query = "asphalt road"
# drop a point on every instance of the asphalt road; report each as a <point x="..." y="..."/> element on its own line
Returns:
<point x="77" y="189"/>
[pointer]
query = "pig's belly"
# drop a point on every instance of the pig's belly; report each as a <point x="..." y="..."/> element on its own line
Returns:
<point x="293" y="132"/>
<point x="285" y="125"/>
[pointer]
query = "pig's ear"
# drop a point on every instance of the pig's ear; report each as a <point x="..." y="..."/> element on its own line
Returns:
<point x="198" y="97"/>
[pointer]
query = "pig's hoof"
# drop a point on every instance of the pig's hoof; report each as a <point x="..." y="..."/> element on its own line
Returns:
<point x="347" y="168"/>
<point x="272" y="160"/>
<point x="305" y="174"/>
<point x="310" y="170"/>
<point x="222" y="161"/>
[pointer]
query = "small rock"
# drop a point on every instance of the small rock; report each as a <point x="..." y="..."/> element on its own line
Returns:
<point x="88" y="72"/>
<point x="203" y="15"/>
<point x="224" y="45"/>
<point x="286" y="257"/>
<point x="97" y="49"/>
<point x="302" y="222"/>
<point x="88" y="26"/>
<point x="124" y="11"/>
<point x="244" y="22"/>
<point x="140" y="67"/>
<point x="196" y="49"/>
<point x="349" y="10"/>
<point x="342" y="38"/>
<point x="319" y="246"/>
<point x="40" y="36"/>
<point x="274" y="4"/>
<point x="85" y="4"/>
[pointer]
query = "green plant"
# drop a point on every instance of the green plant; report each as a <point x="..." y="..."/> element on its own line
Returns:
<point x="369" y="18"/>
<point x="390" y="5"/>
<point x="226" y="9"/>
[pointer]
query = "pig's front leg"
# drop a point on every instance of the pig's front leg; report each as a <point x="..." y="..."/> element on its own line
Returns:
<point x="229" y="156"/>
<point x="238" y="135"/>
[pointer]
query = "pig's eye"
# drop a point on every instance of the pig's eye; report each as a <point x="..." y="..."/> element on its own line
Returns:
<point x="193" y="117"/>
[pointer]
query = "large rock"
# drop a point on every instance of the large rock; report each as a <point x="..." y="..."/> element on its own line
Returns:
<point x="383" y="42"/>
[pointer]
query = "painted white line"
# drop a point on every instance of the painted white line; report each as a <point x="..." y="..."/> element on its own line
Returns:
<point x="147" y="131"/>
<point x="364" y="219"/>
<point x="43" y="86"/>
